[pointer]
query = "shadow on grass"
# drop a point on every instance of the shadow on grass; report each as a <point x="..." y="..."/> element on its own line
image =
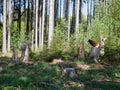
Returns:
<point x="101" y="79"/>
<point x="43" y="76"/>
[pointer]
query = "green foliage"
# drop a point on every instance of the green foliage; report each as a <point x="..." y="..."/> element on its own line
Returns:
<point x="22" y="36"/>
<point x="98" y="28"/>
<point x="14" y="35"/>
<point x="112" y="44"/>
<point x="112" y="50"/>
<point x="60" y="48"/>
<point x="115" y="16"/>
<point x="28" y="77"/>
<point x="112" y="47"/>
<point x="60" y="36"/>
<point x="17" y="77"/>
<point x="18" y="37"/>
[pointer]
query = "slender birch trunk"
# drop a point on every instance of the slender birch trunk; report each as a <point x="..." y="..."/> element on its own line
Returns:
<point x="9" y="24"/>
<point x="51" y="23"/>
<point x="36" y="27"/>
<point x="4" y="51"/>
<point x="77" y="19"/>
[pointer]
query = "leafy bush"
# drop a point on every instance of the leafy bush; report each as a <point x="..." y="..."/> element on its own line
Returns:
<point x="98" y="28"/>
<point x="112" y="49"/>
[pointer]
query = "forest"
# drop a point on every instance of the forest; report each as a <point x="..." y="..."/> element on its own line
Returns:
<point x="59" y="44"/>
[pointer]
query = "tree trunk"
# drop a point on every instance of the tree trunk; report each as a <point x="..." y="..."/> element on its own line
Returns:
<point x="51" y="23"/>
<point x="73" y="18"/>
<point x="65" y="10"/>
<point x="77" y="19"/>
<point x="33" y="23"/>
<point x="25" y="49"/>
<point x="36" y="27"/>
<point x="43" y="24"/>
<point x="94" y="53"/>
<point x="40" y="24"/>
<point x="81" y="50"/>
<point x="19" y="17"/>
<point x="27" y="26"/>
<point x="68" y="19"/>
<point x="26" y="56"/>
<point x="94" y="8"/>
<point x="9" y="24"/>
<point x="56" y="11"/>
<point x="80" y="11"/>
<point x="90" y="11"/>
<point x="88" y="14"/>
<point x="25" y="21"/>
<point x="4" y="51"/>
<point x="15" y="55"/>
<point x="60" y="5"/>
<point x="46" y="22"/>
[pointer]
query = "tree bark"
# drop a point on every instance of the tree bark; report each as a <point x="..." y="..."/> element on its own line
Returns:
<point x="81" y="50"/>
<point x="40" y="24"/>
<point x="51" y="23"/>
<point x="26" y="56"/>
<point x="43" y="24"/>
<point x="9" y="24"/>
<point x="33" y="23"/>
<point x="19" y="17"/>
<point x="91" y="11"/>
<point x="73" y="18"/>
<point x="88" y="14"/>
<point x="77" y="19"/>
<point x="56" y="12"/>
<point x="27" y="26"/>
<point x="80" y="11"/>
<point x="15" y="55"/>
<point x="68" y="20"/>
<point x="4" y="51"/>
<point x="25" y="49"/>
<point x="60" y="5"/>
<point x="36" y="27"/>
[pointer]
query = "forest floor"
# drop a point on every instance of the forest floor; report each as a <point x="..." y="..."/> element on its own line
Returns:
<point x="46" y="76"/>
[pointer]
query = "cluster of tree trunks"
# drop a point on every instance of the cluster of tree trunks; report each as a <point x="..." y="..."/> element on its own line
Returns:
<point x="39" y="16"/>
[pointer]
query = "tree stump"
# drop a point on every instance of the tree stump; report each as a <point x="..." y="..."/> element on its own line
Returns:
<point x="25" y="50"/>
<point x="81" y="50"/>
<point x="25" y="47"/>
<point x="15" y="55"/>
<point x="94" y="53"/>
<point x="69" y="72"/>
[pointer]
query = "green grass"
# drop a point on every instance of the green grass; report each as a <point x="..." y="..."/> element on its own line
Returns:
<point x="26" y="77"/>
